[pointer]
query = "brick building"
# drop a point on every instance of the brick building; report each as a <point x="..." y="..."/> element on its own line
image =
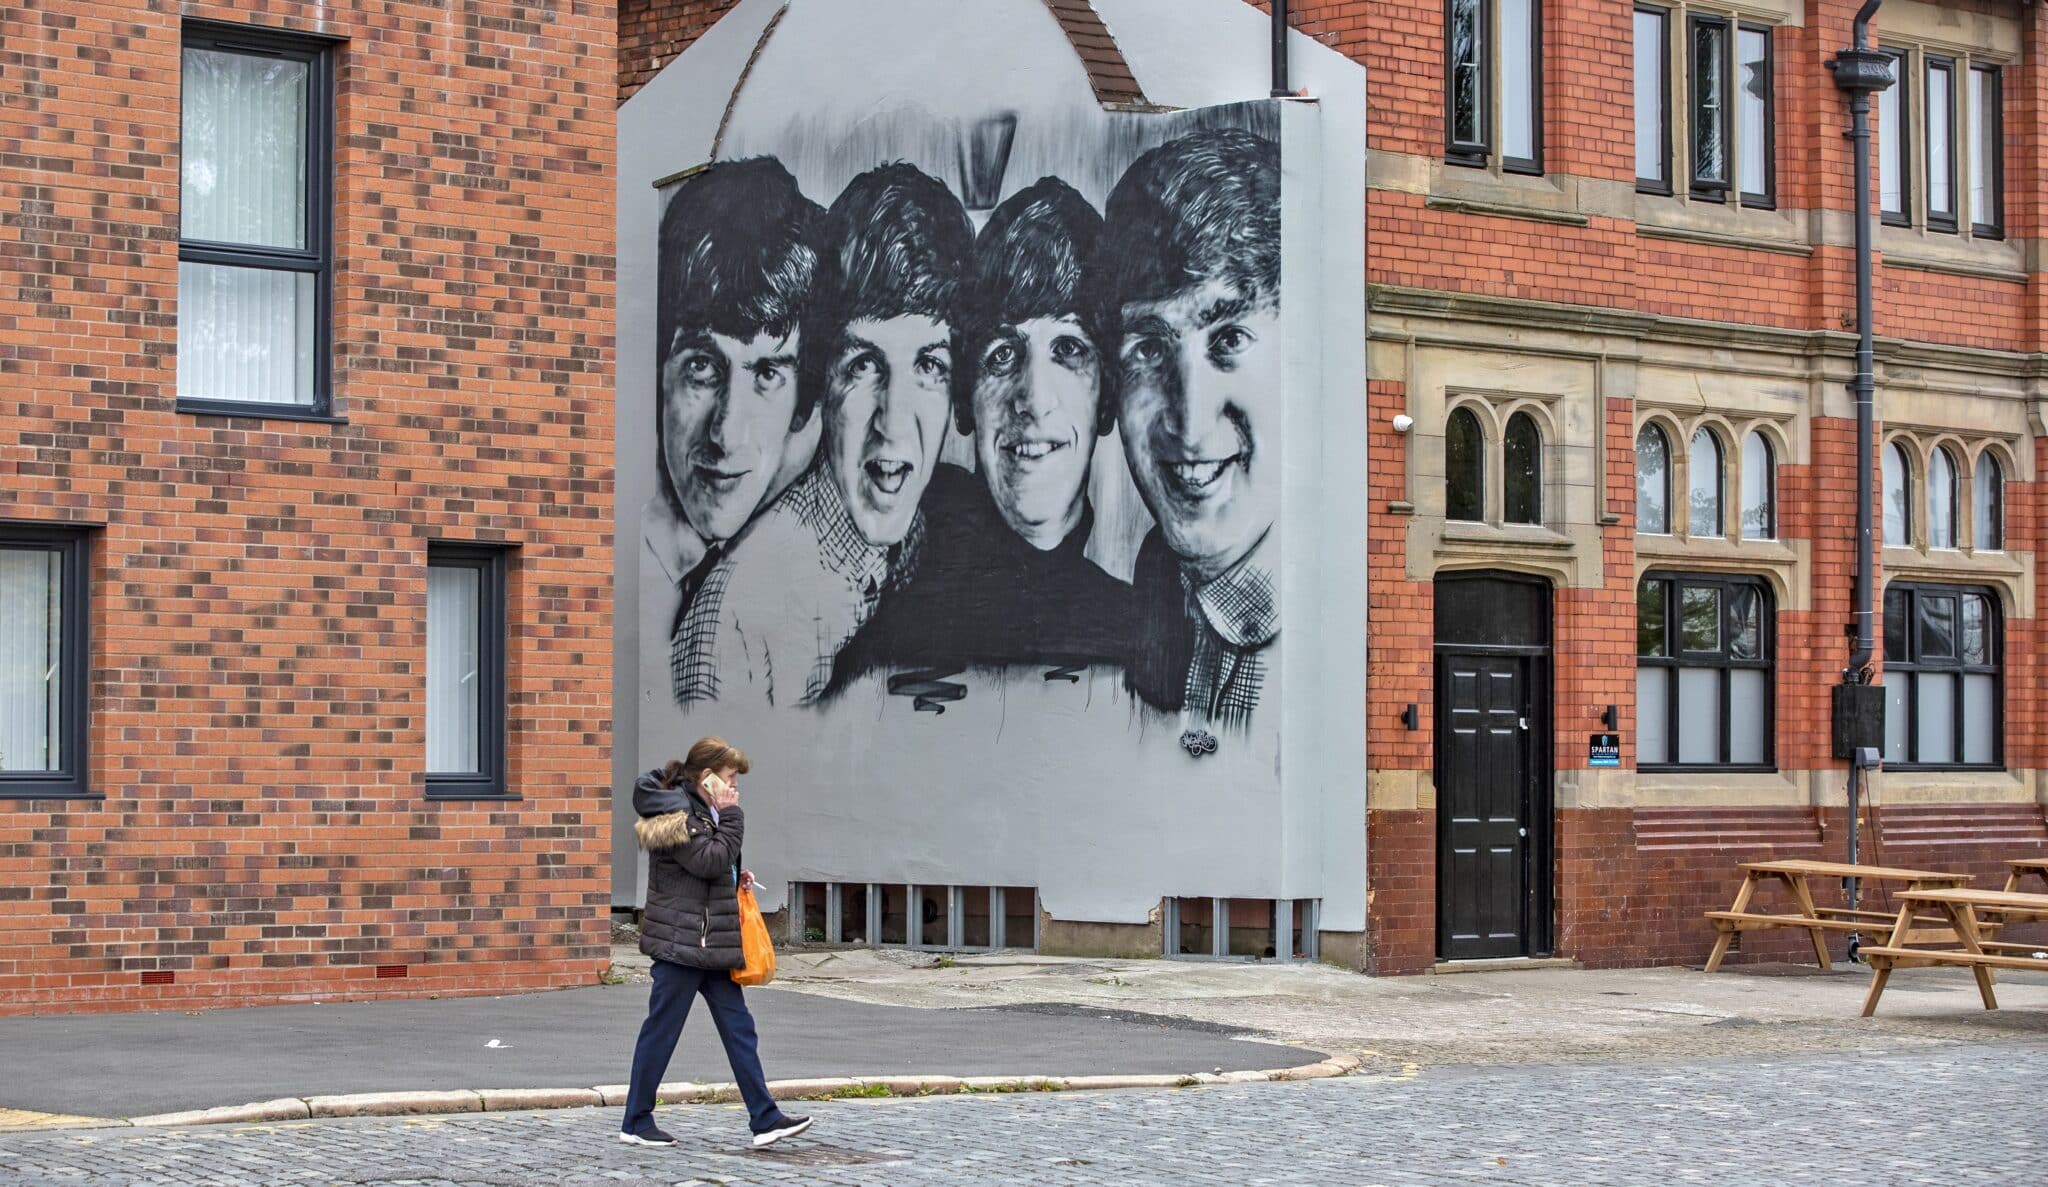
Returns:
<point x="305" y="499"/>
<point x="1611" y="285"/>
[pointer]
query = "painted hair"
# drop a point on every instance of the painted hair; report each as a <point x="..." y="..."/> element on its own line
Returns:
<point x="1205" y="207"/>
<point x="736" y="259"/>
<point x="893" y="244"/>
<point x="1030" y="261"/>
<point x="709" y="754"/>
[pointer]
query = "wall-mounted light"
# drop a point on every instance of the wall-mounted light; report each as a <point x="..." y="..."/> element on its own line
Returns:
<point x="1611" y="718"/>
<point x="1410" y="718"/>
<point x="1403" y="422"/>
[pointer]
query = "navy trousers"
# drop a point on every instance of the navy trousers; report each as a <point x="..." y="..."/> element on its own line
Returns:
<point x="668" y="1007"/>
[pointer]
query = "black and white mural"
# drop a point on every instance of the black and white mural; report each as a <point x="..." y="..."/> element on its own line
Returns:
<point x="815" y="361"/>
<point x="963" y="427"/>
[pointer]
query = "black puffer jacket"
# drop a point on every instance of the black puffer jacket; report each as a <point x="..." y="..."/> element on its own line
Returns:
<point x="693" y="908"/>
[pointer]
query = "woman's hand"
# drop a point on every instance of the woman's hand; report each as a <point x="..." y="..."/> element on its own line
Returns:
<point x="721" y="794"/>
<point x="747" y="881"/>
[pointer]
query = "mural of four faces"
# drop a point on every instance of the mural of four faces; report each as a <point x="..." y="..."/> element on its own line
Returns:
<point x="813" y="362"/>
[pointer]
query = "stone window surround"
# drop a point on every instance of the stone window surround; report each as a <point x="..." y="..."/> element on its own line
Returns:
<point x="1494" y="410"/>
<point x="1919" y="444"/>
<point x="1678" y="16"/>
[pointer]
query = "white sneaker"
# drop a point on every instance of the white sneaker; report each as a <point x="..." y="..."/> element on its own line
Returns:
<point x="790" y="1127"/>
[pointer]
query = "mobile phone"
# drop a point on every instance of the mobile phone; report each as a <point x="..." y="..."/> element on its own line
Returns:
<point x="712" y="784"/>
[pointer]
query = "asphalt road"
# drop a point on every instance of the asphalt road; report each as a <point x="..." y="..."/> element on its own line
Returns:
<point x="1939" y="1116"/>
<point x="127" y="1065"/>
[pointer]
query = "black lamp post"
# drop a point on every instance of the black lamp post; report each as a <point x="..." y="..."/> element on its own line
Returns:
<point x="1859" y="705"/>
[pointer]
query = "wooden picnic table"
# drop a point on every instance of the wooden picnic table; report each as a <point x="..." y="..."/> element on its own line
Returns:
<point x="1977" y="954"/>
<point x="2018" y="870"/>
<point x="1817" y="921"/>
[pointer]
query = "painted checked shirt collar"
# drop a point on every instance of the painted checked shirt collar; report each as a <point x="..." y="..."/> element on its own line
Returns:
<point x="1238" y="615"/>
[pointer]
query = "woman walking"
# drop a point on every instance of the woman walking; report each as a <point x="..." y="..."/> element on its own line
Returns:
<point x="691" y="825"/>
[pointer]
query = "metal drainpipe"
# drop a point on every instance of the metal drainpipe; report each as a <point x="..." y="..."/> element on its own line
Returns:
<point x="1280" y="88"/>
<point x="1860" y="70"/>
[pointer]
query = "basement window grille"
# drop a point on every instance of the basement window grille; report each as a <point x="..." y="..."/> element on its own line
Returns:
<point x="1282" y="930"/>
<point x="896" y="915"/>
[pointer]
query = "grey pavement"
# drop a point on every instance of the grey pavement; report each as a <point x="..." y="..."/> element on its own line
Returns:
<point x="127" y="1065"/>
<point x="1955" y="1114"/>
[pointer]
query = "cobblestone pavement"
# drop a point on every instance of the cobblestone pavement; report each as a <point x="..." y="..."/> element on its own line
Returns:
<point x="1956" y="1114"/>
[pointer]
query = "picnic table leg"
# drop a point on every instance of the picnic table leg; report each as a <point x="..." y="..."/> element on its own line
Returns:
<point x="1797" y="884"/>
<point x="1882" y="972"/>
<point x="1726" y="927"/>
<point x="1966" y="927"/>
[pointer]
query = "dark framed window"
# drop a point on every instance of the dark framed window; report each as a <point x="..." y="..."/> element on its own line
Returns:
<point x="1709" y="81"/>
<point x="1987" y="505"/>
<point x="465" y="721"/>
<point x="43" y="662"/>
<point x="1521" y="470"/>
<point x="1987" y="153"/>
<point x="1755" y="109"/>
<point x="255" y="245"/>
<point x="1653" y="482"/>
<point x="1938" y="122"/>
<point x="1704" y="648"/>
<point x="1464" y="467"/>
<point x="1493" y="67"/>
<point x="1894" y="140"/>
<point x="1653" y="99"/>
<point x="1942" y="679"/>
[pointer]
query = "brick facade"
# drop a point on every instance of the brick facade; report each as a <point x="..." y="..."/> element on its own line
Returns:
<point x="258" y="587"/>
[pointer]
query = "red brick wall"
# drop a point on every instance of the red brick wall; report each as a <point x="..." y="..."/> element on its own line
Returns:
<point x="258" y="587"/>
<point x="653" y="32"/>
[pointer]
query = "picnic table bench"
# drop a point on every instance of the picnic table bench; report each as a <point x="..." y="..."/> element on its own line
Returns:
<point x="1977" y="954"/>
<point x="1817" y="921"/>
<point x="2018" y="870"/>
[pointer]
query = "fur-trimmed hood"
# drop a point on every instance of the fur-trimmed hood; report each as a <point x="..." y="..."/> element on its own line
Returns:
<point x="666" y="831"/>
<point x="665" y="813"/>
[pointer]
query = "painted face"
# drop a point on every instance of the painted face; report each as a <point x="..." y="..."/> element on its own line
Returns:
<point x="726" y="404"/>
<point x="1201" y="405"/>
<point x="885" y="408"/>
<point x="1036" y="388"/>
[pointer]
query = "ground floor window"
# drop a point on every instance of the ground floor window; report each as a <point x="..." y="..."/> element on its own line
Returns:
<point x="1941" y="676"/>
<point x="1703" y="671"/>
<point x="42" y="661"/>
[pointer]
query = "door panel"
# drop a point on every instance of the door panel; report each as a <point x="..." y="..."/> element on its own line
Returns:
<point x="1483" y="794"/>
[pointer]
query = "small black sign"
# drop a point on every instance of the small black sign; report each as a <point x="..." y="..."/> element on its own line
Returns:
<point x="1603" y="750"/>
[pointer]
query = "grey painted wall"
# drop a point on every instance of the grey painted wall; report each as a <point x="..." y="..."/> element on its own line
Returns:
<point x="1038" y="774"/>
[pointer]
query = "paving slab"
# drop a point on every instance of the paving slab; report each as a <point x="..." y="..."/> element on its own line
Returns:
<point x="127" y="1065"/>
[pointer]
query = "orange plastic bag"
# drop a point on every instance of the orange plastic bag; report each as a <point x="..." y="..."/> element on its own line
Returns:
<point x="755" y="943"/>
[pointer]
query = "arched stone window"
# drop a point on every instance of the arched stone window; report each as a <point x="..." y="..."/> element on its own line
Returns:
<point x="1464" y="467"/>
<point x="1987" y="505"/>
<point x="1707" y="483"/>
<point x="1759" y="489"/>
<point x="1941" y="499"/>
<point x="1653" y="482"/>
<point x="1898" y="496"/>
<point x="1522" y="470"/>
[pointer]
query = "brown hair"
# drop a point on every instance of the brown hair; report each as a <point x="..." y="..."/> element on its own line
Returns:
<point x="709" y="754"/>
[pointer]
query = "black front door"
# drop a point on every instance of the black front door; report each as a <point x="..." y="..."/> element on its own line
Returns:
<point x="1483" y="762"/>
<point x="1492" y="766"/>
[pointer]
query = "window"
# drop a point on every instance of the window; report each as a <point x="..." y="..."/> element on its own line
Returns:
<point x="1987" y="505"/>
<point x="1493" y="71"/>
<point x="1894" y="189"/>
<point x="1464" y="467"/>
<point x="1653" y="482"/>
<point x="1522" y="470"/>
<point x="1941" y="676"/>
<point x="1987" y="153"/>
<point x="43" y="668"/>
<point x="465" y="671"/>
<point x="1939" y="120"/>
<point x="1898" y="496"/>
<point x="1653" y="100"/>
<point x="1724" y="69"/>
<point x="1703" y="671"/>
<point x="254" y="251"/>
<point x="1759" y="489"/>
<point x="1941" y="499"/>
<point x="1704" y="473"/>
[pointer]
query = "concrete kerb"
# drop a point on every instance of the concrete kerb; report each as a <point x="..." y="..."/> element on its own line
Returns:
<point x="495" y="1100"/>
